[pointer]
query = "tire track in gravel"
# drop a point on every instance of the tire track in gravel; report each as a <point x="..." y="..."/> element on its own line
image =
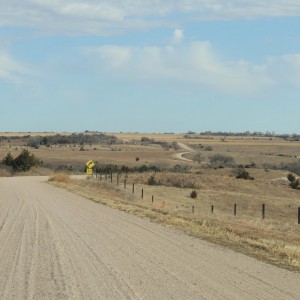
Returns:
<point x="56" y="245"/>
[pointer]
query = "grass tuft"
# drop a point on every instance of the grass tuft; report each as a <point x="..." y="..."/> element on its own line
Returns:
<point x="60" y="177"/>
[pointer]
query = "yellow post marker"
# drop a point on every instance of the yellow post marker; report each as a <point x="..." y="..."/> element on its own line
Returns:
<point x="90" y="165"/>
<point x="89" y="171"/>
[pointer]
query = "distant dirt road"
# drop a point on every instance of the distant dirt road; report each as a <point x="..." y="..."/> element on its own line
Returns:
<point x="56" y="245"/>
<point x="180" y="155"/>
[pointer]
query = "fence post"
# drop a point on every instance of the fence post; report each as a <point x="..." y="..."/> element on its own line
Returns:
<point x="125" y="181"/>
<point x="212" y="209"/>
<point x="111" y="177"/>
<point x="142" y="193"/>
<point x="263" y="211"/>
<point x="133" y="188"/>
<point x="298" y="215"/>
<point x="193" y="209"/>
<point x="152" y="198"/>
<point x="234" y="211"/>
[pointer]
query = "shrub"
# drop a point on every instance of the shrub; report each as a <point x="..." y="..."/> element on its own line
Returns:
<point x="198" y="157"/>
<point x="152" y="180"/>
<point x="25" y="161"/>
<point x="291" y="177"/>
<point x="180" y="168"/>
<point x="208" y="148"/>
<point x="193" y="194"/>
<point x="137" y="158"/>
<point x="106" y="168"/>
<point x="8" y="159"/>
<point x="295" y="184"/>
<point x="221" y="159"/>
<point x="60" y="177"/>
<point x="175" y="146"/>
<point x="241" y="173"/>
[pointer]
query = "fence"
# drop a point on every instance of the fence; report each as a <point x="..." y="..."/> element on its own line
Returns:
<point x="193" y="209"/>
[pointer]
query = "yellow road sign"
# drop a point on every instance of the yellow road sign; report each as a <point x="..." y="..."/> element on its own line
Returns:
<point x="90" y="164"/>
<point x="89" y="171"/>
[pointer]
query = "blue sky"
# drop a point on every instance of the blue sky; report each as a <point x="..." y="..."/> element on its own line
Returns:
<point x="150" y="66"/>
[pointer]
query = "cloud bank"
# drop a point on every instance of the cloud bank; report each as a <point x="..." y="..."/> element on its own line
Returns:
<point x="196" y="63"/>
<point x="104" y="17"/>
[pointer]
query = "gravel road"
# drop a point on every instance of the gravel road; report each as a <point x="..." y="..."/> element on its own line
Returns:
<point x="56" y="245"/>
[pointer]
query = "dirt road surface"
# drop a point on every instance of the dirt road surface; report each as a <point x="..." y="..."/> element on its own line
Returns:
<point x="56" y="245"/>
<point x="180" y="155"/>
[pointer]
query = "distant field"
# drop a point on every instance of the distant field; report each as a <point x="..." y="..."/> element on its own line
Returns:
<point x="244" y="149"/>
<point x="25" y="133"/>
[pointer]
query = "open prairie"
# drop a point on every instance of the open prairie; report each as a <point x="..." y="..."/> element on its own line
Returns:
<point x="167" y="168"/>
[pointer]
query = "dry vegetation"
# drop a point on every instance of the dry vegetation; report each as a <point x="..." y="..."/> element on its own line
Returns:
<point x="275" y="239"/>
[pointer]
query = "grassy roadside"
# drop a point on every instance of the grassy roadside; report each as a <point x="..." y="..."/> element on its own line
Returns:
<point x="257" y="240"/>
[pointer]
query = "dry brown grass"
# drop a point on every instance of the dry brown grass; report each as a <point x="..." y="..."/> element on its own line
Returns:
<point x="4" y="172"/>
<point x="275" y="239"/>
<point x="60" y="177"/>
<point x="244" y="150"/>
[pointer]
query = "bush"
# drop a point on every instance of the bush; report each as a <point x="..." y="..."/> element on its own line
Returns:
<point x="295" y="184"/>
<point x="291" y="177"/>
<point x="106" y="168"/>
<point x="221" y="159"/>
<point x="193" y="194"/>
<point x="60" y="177"/>
<point x="198" y="157"/>
<point x="8" y="160"/>
<point x="241" y="173"/>
<point x="180" y="168"/>
<point x="175" y="146"/>
<point x="25" y="161"/>
<point x="152" y="180"/>
<point x="208" y="148"/>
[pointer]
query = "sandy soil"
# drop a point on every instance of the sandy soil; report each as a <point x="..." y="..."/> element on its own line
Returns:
<point x="56" y="245"/>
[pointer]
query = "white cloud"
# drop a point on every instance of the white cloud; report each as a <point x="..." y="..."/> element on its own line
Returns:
<point x="178" y="35"/>
<point x="196" y="63"/>
<point x="111" y="16"/>
<point x="285" y="70"/>
<point x="117" y="57"/>
<point x="12" y="70"/>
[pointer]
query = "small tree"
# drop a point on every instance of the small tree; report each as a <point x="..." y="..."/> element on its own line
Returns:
<point x="8" y="159"/>
<point x="25" y="161"/>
